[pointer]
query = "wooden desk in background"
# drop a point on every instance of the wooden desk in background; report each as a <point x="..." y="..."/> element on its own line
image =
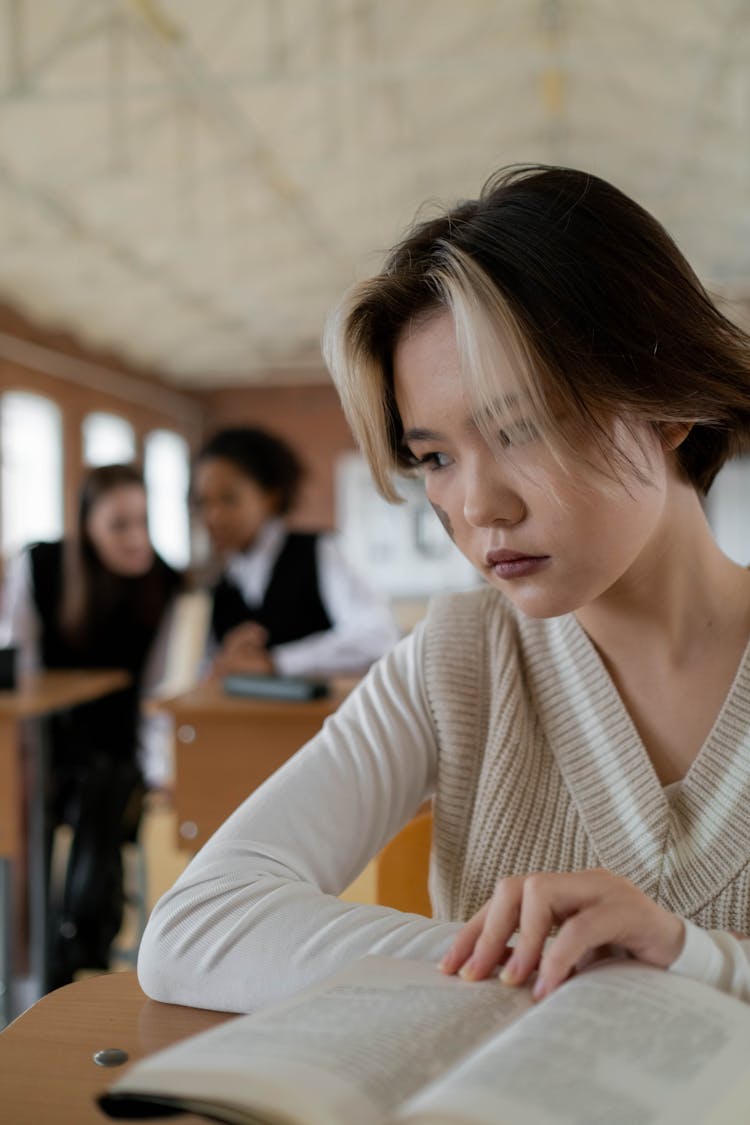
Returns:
<point x="43" y="694"/>
<point x="47" y="1068"/>
<point x="225" y="746"/>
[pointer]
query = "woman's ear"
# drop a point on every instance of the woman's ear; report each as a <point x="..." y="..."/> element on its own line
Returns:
<point x="274" y="499"/>
<point x="672" y="434"/>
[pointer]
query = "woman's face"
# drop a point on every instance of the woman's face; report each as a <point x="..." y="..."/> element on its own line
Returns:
<point x="232" y="506"/>
<point x="552" y="540"/>
<point x="117" y="528"/>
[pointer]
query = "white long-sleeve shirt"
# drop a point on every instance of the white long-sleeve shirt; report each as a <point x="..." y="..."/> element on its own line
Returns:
<point x="255" y="915"/>
<point x="362" y="628"/>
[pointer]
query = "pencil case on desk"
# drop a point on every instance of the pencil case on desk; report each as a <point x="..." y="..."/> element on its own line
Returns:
<point x="275" y="687"/>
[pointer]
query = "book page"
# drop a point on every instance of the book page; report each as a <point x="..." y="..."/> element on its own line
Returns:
<point x="351" y="1049"/>
<point x="622" y="1044"/>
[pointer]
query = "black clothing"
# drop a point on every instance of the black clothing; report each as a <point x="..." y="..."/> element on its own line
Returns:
<point x="120" y="637"/>
<point x="94" y="783"/>
<point x="291" y="608"/>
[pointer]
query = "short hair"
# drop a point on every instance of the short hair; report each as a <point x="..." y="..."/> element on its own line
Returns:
<point x="588" y="299"/>
<point x="267" y="460"/>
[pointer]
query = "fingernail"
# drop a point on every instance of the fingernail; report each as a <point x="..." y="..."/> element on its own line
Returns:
<point x="539" y="990"/>
<point x="468" y="970"/>
<point x="446" y="963"/>
<point x="509" y="972"/>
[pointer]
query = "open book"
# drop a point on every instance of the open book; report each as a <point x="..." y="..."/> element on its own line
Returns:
<point x="395" y="1041"/>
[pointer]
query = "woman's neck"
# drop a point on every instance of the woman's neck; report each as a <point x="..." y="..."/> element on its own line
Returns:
<point x="268" y="531"/>
<point x="672" y="637"/>
<point x="682" y="591"/>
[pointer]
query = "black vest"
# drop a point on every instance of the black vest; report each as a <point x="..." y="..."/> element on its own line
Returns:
<point x="121" y="638"/>
<point x="291" y="606"/>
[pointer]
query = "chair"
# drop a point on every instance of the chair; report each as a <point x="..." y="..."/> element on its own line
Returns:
<point x="124" y="951"/>
<point x="135" y="885"/>
<point x="401" y="868"/>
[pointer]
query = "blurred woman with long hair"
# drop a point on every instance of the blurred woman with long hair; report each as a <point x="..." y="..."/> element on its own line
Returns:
<point x="98" y="599"/>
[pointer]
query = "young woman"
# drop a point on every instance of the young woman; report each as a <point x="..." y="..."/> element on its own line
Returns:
<point x="287" y="602"/>
<point x="547" y="359"/>
<point x="97" y="600"/>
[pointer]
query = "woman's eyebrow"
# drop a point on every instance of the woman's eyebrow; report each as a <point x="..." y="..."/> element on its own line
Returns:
<point x="420" y="434"/>
<point x="502" y="405"/>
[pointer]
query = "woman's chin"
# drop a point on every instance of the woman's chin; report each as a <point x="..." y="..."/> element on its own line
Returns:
<point x="536" y="603"/>
<point x="134" y="568"/>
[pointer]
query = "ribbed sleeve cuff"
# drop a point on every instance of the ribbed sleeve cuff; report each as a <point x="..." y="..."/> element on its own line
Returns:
<point x="717" y="958"/>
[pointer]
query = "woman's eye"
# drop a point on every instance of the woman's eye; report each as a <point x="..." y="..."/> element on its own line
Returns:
<point x="431" y="462"/>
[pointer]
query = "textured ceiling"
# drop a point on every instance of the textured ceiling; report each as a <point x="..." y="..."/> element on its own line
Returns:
<point x="193" y="182"/>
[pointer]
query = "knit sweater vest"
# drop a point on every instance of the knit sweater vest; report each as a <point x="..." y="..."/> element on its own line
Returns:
<point x="291" y="607"/>
<point x="542" y="769"/>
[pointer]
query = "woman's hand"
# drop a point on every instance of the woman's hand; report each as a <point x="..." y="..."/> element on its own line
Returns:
<point x="249" y="636"/>
<point x="594" y="910"/>
<point x="244" y="650"/>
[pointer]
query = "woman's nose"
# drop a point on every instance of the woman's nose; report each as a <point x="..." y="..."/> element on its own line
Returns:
<point x="489" y="498"/>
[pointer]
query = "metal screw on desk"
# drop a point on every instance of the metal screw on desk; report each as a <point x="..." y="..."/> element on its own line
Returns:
<point x="188" y="829"/>
<point x="186" y="733"/>
<point x="110" y="1056"/>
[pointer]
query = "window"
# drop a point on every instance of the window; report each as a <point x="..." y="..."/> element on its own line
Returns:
<point x="107" y="440"/>
<point x="167" y="473"/>
<point x="32" y="470"/>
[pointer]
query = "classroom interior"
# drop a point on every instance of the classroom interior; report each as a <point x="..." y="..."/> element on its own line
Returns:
<point x="187" y="188"/>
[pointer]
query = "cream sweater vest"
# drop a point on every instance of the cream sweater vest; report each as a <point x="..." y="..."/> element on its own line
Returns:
<point x="542" y="769"/>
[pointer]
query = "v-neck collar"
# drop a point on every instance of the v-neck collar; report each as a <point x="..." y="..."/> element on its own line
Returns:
<point x="685" y="849"/>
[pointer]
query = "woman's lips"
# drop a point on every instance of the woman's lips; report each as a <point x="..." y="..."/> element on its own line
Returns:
<point x="514" y="564"/>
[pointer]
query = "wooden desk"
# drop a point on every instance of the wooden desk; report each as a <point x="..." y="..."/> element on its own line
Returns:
<point x="47" y="1070"/>
<point x="36" y="696"/>
<point x="227" y="745"/>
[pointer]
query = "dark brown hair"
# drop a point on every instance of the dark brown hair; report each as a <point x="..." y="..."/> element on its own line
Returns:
<point x="91" y="590"/>
<point x="600" y="316"/>
<point x="262" y="457"/>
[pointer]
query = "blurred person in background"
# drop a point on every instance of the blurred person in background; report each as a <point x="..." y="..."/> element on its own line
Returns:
<point x="100" y="599"/>
<point x="287" y="602"/>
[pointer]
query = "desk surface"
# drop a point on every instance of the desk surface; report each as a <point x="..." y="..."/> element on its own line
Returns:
<point x="47" y="1070"/>
<point x="45" y="692"/>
